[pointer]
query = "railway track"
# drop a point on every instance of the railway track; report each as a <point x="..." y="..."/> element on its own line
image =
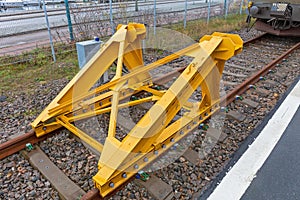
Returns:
<point x="62" y="11"/>
<point x="129" y="16"/>
<point x="22" y="40"/>
<point x="250" y="95"/>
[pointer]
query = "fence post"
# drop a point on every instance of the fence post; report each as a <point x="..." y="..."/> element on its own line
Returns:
<point x="40" y="5"/>
<point x="154" y="23"/>
<point x="185" y="14"/>
<point x="226" y="7"/>
<point x="208" y="12"/>
<point x="111" y="17"/>
<point x="69" y="20"/>
<point x="136" y="5"/>
<point x="49" y="31"/>
<point x="241" y="6"/>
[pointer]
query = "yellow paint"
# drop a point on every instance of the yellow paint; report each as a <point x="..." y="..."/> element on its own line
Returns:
<point x="77" y="101"/>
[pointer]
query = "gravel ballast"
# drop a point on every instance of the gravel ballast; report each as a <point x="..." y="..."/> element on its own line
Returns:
<point x="18" y="180"/>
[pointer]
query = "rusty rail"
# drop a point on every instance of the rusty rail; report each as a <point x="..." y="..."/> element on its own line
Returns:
<point x="169" y="76"/>
<point x="253" y="79"/>
<point x="17" y="144"/>
<point x="94" y="194"/>
<point x="255" y="38"/>
<point x="14" y="145"/>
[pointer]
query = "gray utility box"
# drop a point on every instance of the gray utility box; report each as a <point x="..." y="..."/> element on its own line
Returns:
<point x="85" y="51"/>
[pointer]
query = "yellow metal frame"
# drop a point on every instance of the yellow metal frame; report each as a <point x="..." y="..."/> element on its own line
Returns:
<point x="154" y="133"/>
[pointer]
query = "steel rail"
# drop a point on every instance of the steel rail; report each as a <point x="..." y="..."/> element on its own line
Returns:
<point x="94" y="193"/>
<point x="254" y="78"/>
<point x="169" y="76"/>
<point x="14" y="145"/>
<point x="18" y="143"/>
<point x="102" y="6"/>
<point x="79" y="9"/>
<point x="241" y="88"/>
<point x="254" y="39"/>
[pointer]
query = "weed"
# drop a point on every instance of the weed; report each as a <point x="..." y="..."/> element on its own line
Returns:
<point x="36" y="66"/>
<point x="197" y="28"/>
<point x="39" y="79"/>
<point x="39" y="69"/>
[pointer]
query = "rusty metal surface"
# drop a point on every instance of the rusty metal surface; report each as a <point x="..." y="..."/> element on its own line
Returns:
<point x="254" y="39"/>
<point x="169" y="76"/>
<point x="93" y="194"/>
<point x="253" y="79"/>
<point x="269" y="29"/>
<point x="14" y="145"/>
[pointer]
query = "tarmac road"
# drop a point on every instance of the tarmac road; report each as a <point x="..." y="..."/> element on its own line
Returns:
<point x="10" y="30"/>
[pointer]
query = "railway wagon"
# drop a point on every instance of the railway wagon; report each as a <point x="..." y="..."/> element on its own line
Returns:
<point x="278" y="17"/>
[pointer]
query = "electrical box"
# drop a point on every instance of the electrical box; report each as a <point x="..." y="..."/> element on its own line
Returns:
<point x="85" y="51"/>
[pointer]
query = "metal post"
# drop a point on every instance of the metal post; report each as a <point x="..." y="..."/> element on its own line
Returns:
<point x="185" y="13"/>
<point x="241" y="6"/>
<point x="136" y="5"/>
<point x="154" y="23"/>
<point x="111" y="18"/>
<point x="226" y="7"/>
<point x="49" y="31"/>
<point x="208" y="12"/>
<point x="69" y="20"/>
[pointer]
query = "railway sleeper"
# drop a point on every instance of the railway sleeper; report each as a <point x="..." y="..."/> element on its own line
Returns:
<point x="155" y="133"/>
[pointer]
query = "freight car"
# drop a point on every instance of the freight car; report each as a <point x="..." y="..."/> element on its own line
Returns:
<point x="278" y="17"/>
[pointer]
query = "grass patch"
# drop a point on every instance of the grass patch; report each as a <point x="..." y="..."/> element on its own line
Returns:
<point x="37" y="66"/>
<point x="39" y="69"/>
<point x="198" y="28"/>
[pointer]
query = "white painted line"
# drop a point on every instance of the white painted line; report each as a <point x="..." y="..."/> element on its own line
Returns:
<point x="238" y="179"/>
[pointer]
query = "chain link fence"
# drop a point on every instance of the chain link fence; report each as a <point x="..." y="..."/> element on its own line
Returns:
<point x="95" y="19"/>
